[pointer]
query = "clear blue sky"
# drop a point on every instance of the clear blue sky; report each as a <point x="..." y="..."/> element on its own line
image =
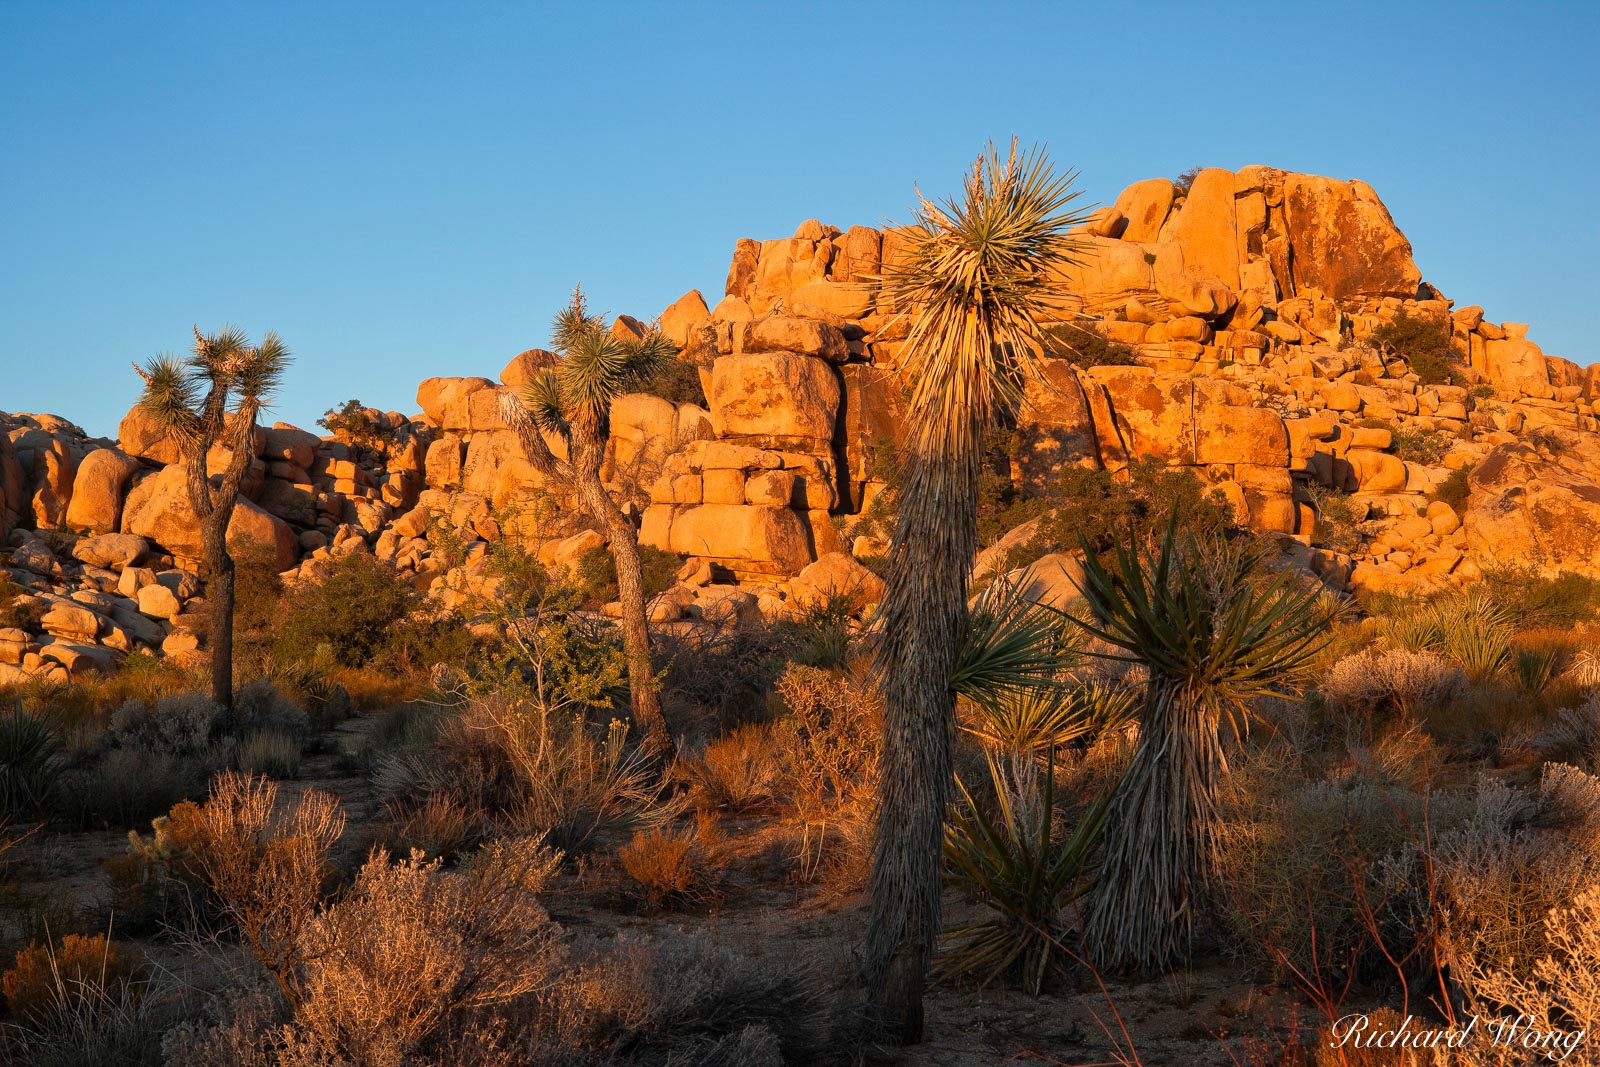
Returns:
<point x="407" y="190"/>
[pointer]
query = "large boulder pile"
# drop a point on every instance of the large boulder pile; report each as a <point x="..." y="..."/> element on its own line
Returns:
<point x="1249" y="301"/>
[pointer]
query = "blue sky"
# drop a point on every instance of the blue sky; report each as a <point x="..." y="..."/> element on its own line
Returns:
<point x="407" y="190"/>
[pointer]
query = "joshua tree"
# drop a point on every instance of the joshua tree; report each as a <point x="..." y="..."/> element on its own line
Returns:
<point x="976" y="278"/>
<point x="210" y="399"/>
<point x="572" y="401"/>
<point x="1212" y="635"/>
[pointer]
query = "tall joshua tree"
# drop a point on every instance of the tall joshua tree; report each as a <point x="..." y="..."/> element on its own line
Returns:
<point x="212" y="398"/>
<point x="572" y="401"/>
<point x="976" y="278"/>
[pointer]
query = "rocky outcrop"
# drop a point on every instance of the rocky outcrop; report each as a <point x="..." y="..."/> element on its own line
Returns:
<point x="1248" y="302"/>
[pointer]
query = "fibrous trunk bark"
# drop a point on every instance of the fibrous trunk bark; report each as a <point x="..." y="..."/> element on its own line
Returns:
<point x="624" y="545"/>
<point x="1158" y="838"/>
<point x="925" y="621"/>
<point x="219" y="595"/>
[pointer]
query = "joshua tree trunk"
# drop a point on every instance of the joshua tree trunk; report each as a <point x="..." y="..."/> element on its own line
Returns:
<point x="624" y="544"/>
<point x="218" y="565"/>
<point x="925" y="621"/>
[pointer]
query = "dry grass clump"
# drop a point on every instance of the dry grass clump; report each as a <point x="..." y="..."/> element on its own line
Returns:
<point x="94" y="1016"/>
<point x="439" y="827"/>
<point x="514" y="764"/>
<point x="43" y="975"/>
<point x="666" y="865"/>
<point x="269" y="753"/>
<point x="738" y="771"/>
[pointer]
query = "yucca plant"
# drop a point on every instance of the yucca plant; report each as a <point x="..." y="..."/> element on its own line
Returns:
<point x="1213" y="634"/>
<point x="572" y="402"/>
<point x="31" y="757"/>
<point x="976" y="277"/>
<point x="1536" y="668"/>
<point x="1011" y="863"/>
<point x="1477" y="635"/>
<point x="210" y="400"/>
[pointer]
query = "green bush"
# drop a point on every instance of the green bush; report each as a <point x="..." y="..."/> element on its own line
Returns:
<point x="1531" y="599"/>
<point x="1421" y="446"/>
<point x="1455" y="489"/>
<point x="678" y="381"/>
<point x="1105" y="511"/>
<point x="1338" y="519"/>
<point x="1423" y="344"/>
<point x="597" y="572"/>
<point x="20" y="616"/>
<point x="350" y="422"/>
<point x="353" y="612"/>
<point x="1088" y="348"/>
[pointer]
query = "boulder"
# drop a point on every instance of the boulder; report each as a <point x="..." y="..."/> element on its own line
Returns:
<point x="835" y="575"/>
<point x="1543" y="511"/>
<point x="159" y="602"/>
<point x="98" y="489"/>
<point x="53" y="471"/>
<point x="444" y="400"/>
<point x="741" y="532"/>
<point x="1205" y="228"/>
<point x="683" y="319"/>
<point x="525" y="366"/>
<point x="774" y="394"/>
<point x="791" y="333"/>
<point x="1146" y="205"/>
<point x="1053" y="580"/>
<point x="292" y="445"/>
<point x="113" y="550"/>
<point x="158" y="508"/>
<point x="1517" y="366"/>
<point x="1054" y="425"/>
<point x="140" y="435"/>
<point x="1344" y="241"/>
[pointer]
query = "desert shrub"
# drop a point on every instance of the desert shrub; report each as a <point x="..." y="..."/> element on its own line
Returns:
<point x="821" y="633"/>
<point x="693" y="1001"/>
<point x="1102" y="511"/>
<point x="596" y="572"/>
<point x="829" y="742"/>
<point x="1338" y="519"/>
<point x="1316" y="876"/>
<point x="353" y="423"/>
<point x="737" y="771"/>
<point x="1396" y="680"/>
<point x="1088" y="347"/>
<point x="664" y="865"/>
<point x="24" y="615"/>
<point x="548" y="772"/>
<point x="354" y="612"/>
<point x="411" y="949"/>
<point x="30" y="760"/>
<point x="677" y="380"/>
<point x="1529" y="598"/>
<point x="439" y="826"/>
<point x="1455" y="489"/>
<point x="1522" y="852"/>
<point x="34" y="984"/>
<point x="413" y="965"/>
<point x="1185" y="181"/>
<point x="269" y="753"/>
<point x="1420" y="446"/>
<point x="726" y="669"/>
<point x="1554" y="993"/>
<point x="158" y="883"/>
<point x="1424" y="344"/>
<point x="1574" y="735"/>
<point x="259" y="707"/>
<point x="266" y="864"/>
<point x="128" y="785"/>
